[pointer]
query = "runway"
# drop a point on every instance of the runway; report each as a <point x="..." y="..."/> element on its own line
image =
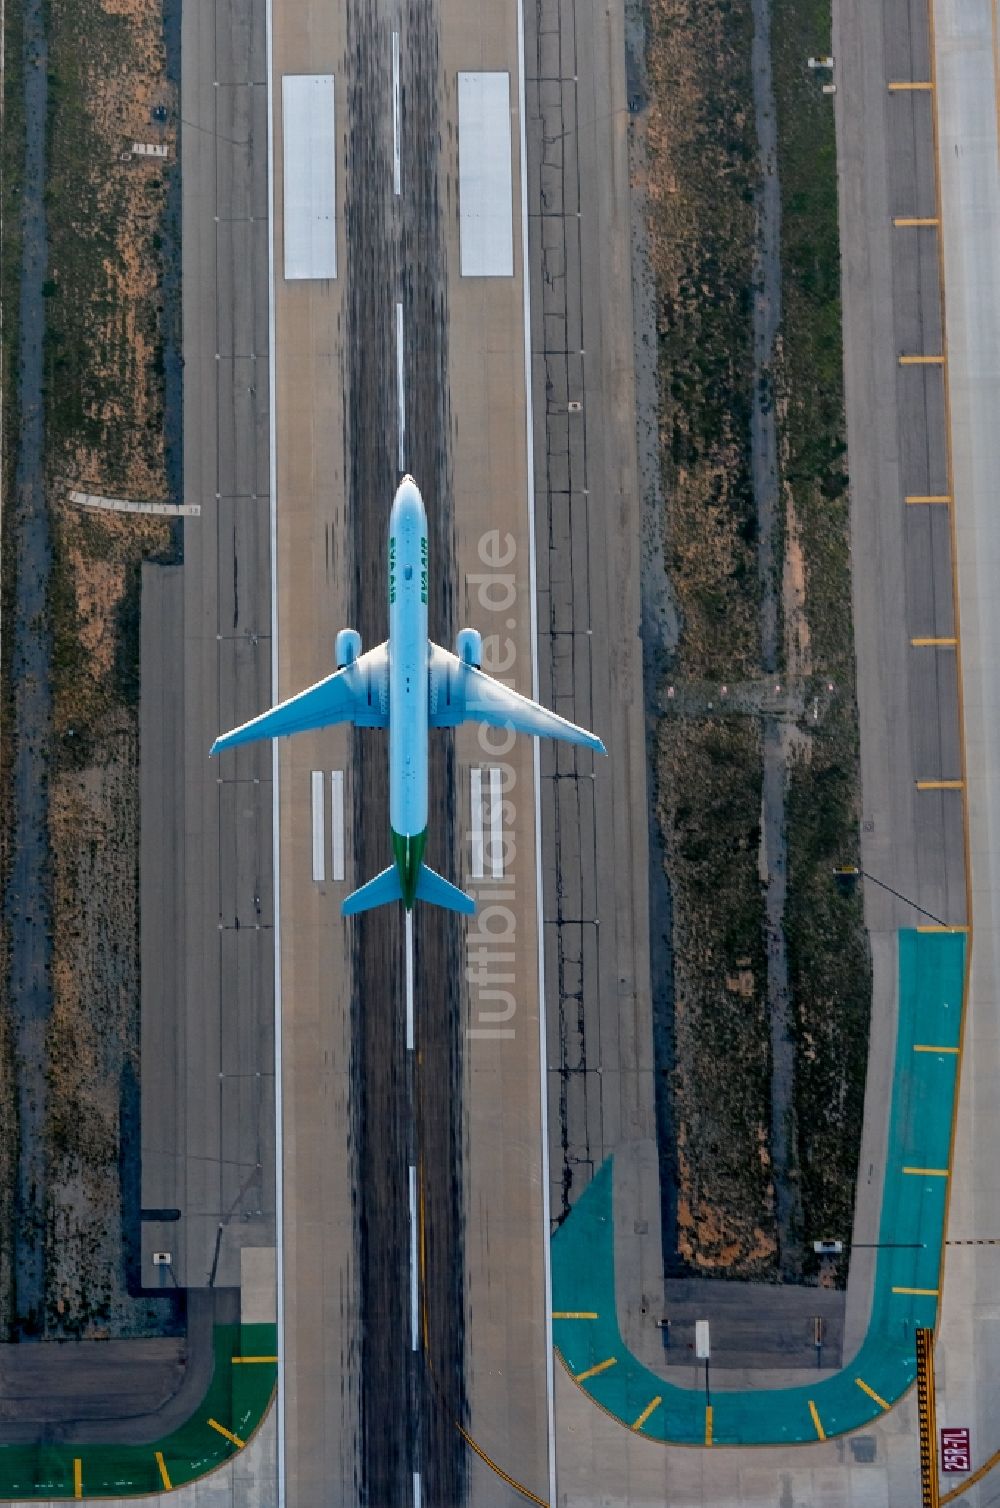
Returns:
<point x="363" y="1411"/>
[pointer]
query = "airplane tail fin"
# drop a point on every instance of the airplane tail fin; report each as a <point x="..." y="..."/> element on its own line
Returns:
<point x="381" y="891"/>
<point x="437" y="891"/>
<point x="386" y="888"/>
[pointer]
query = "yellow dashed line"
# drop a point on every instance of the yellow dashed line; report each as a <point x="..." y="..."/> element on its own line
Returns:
<point x="574" y="1314"/>
<point x="928" y="497"/>
<point x="933" y="643"/>
<point x="912" y="220"/>
<point x="871" y="1393"/>
<point x="602" y="1366"/>
<point x="899" y="86"/>
<point x="77" y="1477"/>
<point x="647" y="1411"/>
<point x="942" y="929"/>
<point x="821" y="1432"/>
<point x="940" y="785"/>
<point x="921" y="361"/>
<point x="924" y="1293"/>
<point x="708" y="1424"/>
<point x="247" y="1361"/>
<point x="928" y="1047"/>
<point x="227" y="1434"/>
<point x="164" y="1473"/>
<point x="927" y="1172"/>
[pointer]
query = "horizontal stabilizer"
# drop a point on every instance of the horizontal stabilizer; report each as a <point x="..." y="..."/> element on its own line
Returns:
<point x="381" y="891"/>
<point x="437" y="891"/>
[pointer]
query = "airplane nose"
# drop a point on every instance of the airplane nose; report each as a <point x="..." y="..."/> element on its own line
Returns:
<point x="408" y="505"/>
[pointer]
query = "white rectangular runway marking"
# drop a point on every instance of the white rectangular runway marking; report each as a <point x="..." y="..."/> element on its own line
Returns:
<point x="400" y="388"/>
<point x="476" y="821"/>
<point x="319" y="828"/>
<point x="496" y="824"/>
<point x="414" y="1285"/>
<point x="337" y="806"/>
<point x="417" y="1490"/>
<point x="485" y="179"/>
<point x="309" y="175"/>
<point x="395" y="114"/>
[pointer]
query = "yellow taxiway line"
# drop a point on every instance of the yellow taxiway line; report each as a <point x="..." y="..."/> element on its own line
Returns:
<point x="922" y="1293"/>
<point x="915" y="220"/>
<point x="928" y="497"/>
<point x="940" y="785"/>
<point x="164" y="1473"/>
<point x="647" y="1411"/>
<point x="820" y="1431"/>
<point x="933" y="643"/>
<point x="77" y="1477"/>
<point x="602" y="1366"/>
<point x="921" y="361"/>
<point x="872" y="1394"/>
<point x="901" y="86"/>
<point x="929" y="1047"/>
<point x="227" y="1434"/>
<point x="575" y="1314"/>
<point x="708" y="1424"/>
<point x="248" y="1361"/>
<point x="927" y="1172"/>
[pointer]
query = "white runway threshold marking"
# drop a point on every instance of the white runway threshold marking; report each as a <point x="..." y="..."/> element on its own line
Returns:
<point x="409" y="982"/>
<point x="396" y="184"/>
<point x="309" y="175"/>
<point x="476" y="820"/>
<point x="337" y="809"/>
<point x="496" y="824"/>
<point x="400" y="388"/>
<point x="319" y="828"/>
<point x="414" y="1279"/>
<point x="417" y="1490"/>
<point x="485" y="178"/>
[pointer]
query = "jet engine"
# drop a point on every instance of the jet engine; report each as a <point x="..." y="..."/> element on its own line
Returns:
<point x="348" y="647"/>
<point x="469" y="647"/>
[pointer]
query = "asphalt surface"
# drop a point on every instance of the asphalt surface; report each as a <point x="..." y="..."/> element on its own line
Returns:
<point x="27" y="906"/>
<point x="207" y="941"/>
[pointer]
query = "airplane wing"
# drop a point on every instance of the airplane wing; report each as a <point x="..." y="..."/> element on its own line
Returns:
<point x="357" y="694"/>
<point x="460" y="693"/>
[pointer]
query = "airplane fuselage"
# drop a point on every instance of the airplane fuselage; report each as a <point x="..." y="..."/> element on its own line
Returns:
<point x="408" y="715"/>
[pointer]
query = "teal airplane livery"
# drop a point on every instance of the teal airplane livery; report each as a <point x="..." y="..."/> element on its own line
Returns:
<point x="409" y="686"/>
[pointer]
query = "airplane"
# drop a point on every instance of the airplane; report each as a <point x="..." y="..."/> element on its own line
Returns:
<point x="408" y="685"/>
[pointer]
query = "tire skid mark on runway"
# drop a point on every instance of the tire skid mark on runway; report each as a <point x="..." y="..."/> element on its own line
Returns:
<point x="396" y="1110"/>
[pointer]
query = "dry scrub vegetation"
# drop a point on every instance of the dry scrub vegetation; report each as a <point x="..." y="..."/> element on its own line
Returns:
<point x="702" y="165"/>
<point x="104" y="412"/>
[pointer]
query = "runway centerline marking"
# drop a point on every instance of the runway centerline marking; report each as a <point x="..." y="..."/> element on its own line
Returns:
<point x="400" y="389"/>
<point x="396" y="182"/>
<point x="417" y="1486"/>
<point x="414" y="1278"/>
<point x="410" y="1033"/>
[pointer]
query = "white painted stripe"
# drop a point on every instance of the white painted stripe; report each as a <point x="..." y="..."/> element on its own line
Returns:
<point x="400" y="389"/>
<point x="319" y="828"/>
<point x="395" y="114"/>
<point x="309" y="175"/>
<point x="414" y="1276"/>
<point x="496" y="824"/>
<point x="485" y="185"/>
<point x="417" y="1490"/>
<point x="529" y="431"/>
<point x="409" y="982"/>
<point x="272" y="467"/>
<point x="337" y="807"/>
<point x="476" y="821"/>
